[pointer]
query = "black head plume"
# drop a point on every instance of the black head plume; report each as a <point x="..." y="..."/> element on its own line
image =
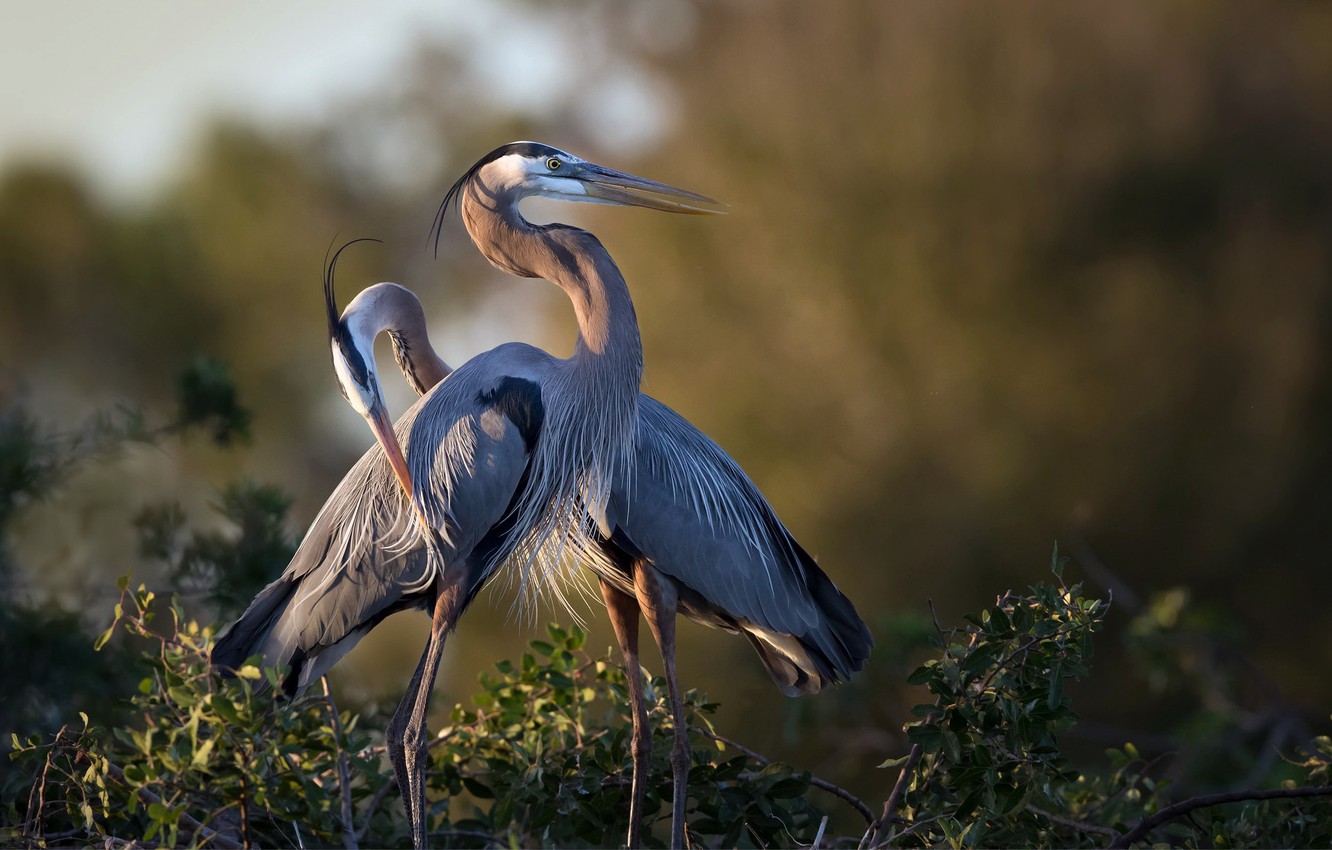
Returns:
<point x="330" y="298"/>
<point x="532" y="149"/>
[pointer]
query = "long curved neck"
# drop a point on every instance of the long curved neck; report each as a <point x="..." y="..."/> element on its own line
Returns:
<point x="417" y="360"/>
<point x="587" y="443"/>
<point x="574" y="260"/>
<point x="388" y="307"/>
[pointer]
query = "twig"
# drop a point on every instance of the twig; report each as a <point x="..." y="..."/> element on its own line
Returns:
<point x="1081" y="826"/>
<point x="244" y="811"/>
<point x="934" y="615"/>
<point x="489" y="838"/>
<point x="373" y="806"/>
<point x="920" y="824"/>
<point x="1102" y="574"/>
<point x="818" y="836"/>
<point x="37" y="797"/>
<point x="344" y="774"/>
<point x="855" y="802"/>
<point x="205" y="834"/>
<point x="1169" y="813"/>
<point x="48" y="837"/>
<point x="878" y="839"/>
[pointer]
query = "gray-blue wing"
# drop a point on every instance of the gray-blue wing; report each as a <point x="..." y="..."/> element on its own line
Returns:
<point x="364" y="556"/>
<point x="694" y="514"/>
<point x="360" y="561"/>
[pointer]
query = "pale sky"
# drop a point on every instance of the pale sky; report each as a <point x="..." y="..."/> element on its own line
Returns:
<point x="121" y="88"/>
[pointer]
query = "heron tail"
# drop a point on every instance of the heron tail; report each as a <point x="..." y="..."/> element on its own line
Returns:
<point x="837" y="646"/>
<point x="253" y="636"/>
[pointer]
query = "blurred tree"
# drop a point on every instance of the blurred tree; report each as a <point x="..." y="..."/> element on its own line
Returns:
<point x="992" y="277"/>
<point x="988" y="278"/>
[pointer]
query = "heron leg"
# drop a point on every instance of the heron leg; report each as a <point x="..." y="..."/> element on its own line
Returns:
<point x="658" y="599"/>
<point x="623" y="610"/>
<point x="406" y="731"/>
<point x="395" y="738"/>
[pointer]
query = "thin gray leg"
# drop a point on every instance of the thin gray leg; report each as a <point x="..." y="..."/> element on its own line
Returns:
<point x="658" y="599"/>
<point x="624" y="612"/>
<point x="406" y="733"/>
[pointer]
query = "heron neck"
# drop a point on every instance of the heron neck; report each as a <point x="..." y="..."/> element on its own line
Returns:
<point x="587" y="444"/>
<point x="393" y="309"/>
<point x="418" y="361"/>
<point x="573" y="259"/>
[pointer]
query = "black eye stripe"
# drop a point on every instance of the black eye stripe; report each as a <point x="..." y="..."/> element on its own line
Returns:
<point x="352" y="356"/>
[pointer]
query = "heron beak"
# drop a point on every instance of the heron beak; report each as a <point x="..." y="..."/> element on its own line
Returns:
<point x="608" y="186"/>
<point x="388" y="441"/>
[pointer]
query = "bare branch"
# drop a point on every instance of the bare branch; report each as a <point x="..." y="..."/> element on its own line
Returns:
<point x="469" y="833"/>
<point x="37" y="797"/>
<point x="856" y="803"/>
<point x="344" y="773"/>
<point x="1101" y="573"/>
<point x="880" y="834"/>
<point x="920" y="824"/>
<point x="1081" y="826"/>
<point x="373" y="807"/>
<point x="818" y="836"/>
<point x="205" y="835"/>
<point x="1169" y="813"/>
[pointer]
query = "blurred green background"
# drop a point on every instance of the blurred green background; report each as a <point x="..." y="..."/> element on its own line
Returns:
<point x="992" y="277"/>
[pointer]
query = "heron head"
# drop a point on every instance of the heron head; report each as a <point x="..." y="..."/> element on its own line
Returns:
<point x="352" y="339"/>
<point x="533" y="169"/>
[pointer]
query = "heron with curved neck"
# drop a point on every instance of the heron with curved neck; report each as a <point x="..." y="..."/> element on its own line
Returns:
<point x="685" y="531"/>
<point x="709" y="531"/>
<point x="512" y="459"/>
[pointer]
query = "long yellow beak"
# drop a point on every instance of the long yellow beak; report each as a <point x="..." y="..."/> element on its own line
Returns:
<point x="616" y="187"/>
<point x="388" y="441"/>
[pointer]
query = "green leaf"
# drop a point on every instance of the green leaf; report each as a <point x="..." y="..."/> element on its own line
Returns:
<point x="951" y="746"/>
<point x="921" y="674"/>
<point x="104" y="637"/>
<point x="201" y="755"/>
<point x="982" y="657"/>
<point x="477" y="789"/>
<point x="928" y="737"/>
<point x="998" y="621"/>
<point x="791" y="787"/>
<point x="1055" y="695"/>
<point x="543" y="647"/>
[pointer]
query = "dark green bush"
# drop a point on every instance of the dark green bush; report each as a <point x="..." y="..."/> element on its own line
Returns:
<point x="541" y="757"/>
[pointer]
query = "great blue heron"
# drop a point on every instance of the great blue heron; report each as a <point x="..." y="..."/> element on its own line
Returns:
<point x="523" y="457"/>
<point x="691" y="514"/>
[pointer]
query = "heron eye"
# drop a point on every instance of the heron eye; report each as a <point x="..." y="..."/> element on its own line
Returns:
<point x="553" y="164"/>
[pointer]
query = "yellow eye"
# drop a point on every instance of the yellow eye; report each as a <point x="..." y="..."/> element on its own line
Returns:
<point x="553" y="164"/>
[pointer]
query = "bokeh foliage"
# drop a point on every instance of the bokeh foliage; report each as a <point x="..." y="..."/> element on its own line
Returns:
<point x="542" y="755"/>
<point x="988" y="279"/>
<point x="542" y="758"/>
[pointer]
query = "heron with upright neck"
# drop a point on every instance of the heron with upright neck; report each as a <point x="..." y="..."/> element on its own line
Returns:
<point x="519" y="458"/>
<point x="685" y="530"/>
<point x="502" y="461"/>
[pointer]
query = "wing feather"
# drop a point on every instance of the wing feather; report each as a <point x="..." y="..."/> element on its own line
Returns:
<point x="700" y="520"/>
<point x="364" y="556"/>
